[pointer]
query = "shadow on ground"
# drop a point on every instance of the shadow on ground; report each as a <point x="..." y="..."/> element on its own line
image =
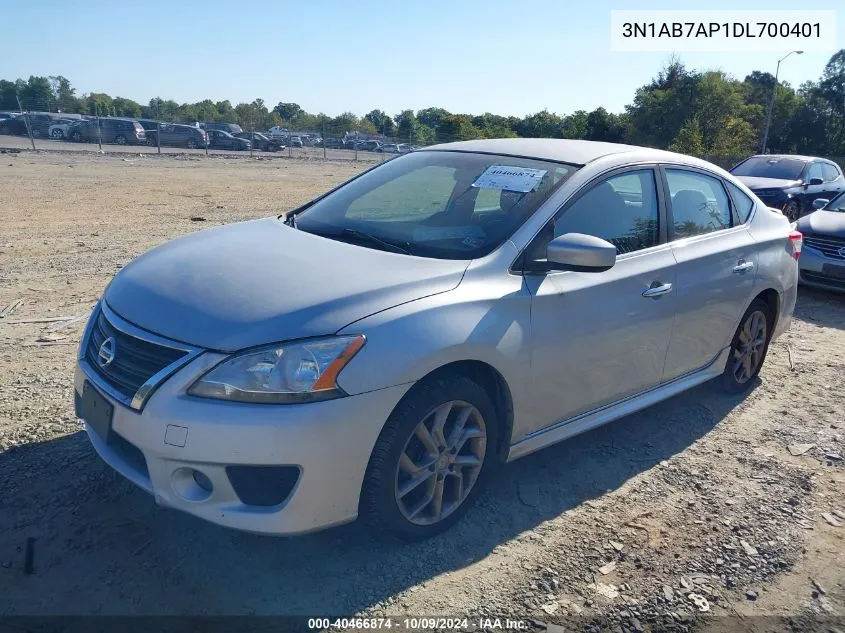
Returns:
<point x="102" y="546"/>
<point x="821" y="307"/>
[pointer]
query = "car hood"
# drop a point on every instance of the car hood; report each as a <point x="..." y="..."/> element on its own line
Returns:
<point x="822" y="222"/>
<point x="261" y="281"/>
<point x="756" y="183"/>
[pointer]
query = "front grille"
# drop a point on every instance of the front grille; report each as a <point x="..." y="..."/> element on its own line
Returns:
<point x="830" y="246"/>
<point x="135" y="360"/>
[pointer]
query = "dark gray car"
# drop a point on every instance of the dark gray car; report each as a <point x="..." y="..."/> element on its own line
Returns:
<point x="220" y="139"/>
<point x="790" y="183"/>
<point x="113" y="130"/>
<point x="175" y="135"/>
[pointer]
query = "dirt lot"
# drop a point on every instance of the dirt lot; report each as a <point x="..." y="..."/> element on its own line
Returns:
<point x="693" y="507"/>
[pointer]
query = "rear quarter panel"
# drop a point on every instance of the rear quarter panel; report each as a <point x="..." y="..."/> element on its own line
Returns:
<point x="776" y="266"/>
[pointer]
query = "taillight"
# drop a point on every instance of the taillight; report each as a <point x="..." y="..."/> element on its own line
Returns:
<point x="796" y="239"/>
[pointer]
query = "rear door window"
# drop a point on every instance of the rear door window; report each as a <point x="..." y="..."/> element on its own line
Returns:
<point x="742" y="203"/>
<point x="829" y="172"/>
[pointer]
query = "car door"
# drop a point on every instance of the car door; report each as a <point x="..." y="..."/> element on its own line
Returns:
<point x="834" y="182"/>
<point x="598" y="337"/>
<point x="812" y="191"/>
<point x="716" y="267"/>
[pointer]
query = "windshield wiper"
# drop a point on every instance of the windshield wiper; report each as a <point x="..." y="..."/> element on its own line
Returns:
<point x="290" y="220"/>
<point x="385" y="244"/>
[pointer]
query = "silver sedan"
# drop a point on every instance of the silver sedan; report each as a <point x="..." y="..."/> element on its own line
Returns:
<point x="381" y="350"/>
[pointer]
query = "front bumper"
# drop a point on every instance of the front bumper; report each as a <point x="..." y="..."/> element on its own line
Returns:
<point x="815" y="270"/>
<point x="776" y="199"/>
<point x="329" y="442"/>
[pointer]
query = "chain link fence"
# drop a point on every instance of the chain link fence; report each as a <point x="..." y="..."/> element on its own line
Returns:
<point x="161" y="130"/>
<point x="163" y="127"/>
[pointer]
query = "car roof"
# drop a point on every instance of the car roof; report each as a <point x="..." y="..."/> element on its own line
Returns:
<point x="805" y="159"/>
<point x="574" y="152"/>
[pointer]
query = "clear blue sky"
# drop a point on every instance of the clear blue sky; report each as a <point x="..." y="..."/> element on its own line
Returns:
<point x="495" y="56"/>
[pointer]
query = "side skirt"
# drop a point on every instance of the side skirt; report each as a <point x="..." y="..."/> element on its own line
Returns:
<point x="565" y="429"/>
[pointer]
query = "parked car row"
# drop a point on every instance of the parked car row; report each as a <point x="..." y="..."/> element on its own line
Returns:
<point x="790" y="183"/>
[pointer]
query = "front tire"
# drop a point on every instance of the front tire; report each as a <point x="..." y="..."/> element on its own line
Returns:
<point x="749" y="348"/>
<point x="792" y="211"/>
<point x="431" y="459"/>
<point x="57" y="135"/>
<point x="120" y="139"/>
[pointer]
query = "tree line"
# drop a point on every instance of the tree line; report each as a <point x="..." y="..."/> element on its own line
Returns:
<point x="682" y="109"/>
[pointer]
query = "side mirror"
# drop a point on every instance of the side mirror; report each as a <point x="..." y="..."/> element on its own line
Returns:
<point x="576" y="251"/>
<point x="815" y="181"/>
<point x="819" y="203"/>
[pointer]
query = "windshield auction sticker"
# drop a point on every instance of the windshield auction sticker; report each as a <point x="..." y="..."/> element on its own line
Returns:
<point x="722" y="30"/>
<point x="521" y="179"/>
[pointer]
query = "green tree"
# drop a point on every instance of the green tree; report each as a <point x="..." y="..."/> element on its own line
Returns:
<point x="456" y="127"/>
<point x="288" y="111"/>
<point x="65" y="94"/>
<point x="431" y="117"/>
<point x="381" y="122"/>
<point x="8" y="95"/>
<point x="689" y="139"/>
<point x="575" y="125"/>
<point x="832" y="90"/>
<point x="126" y="107"/>
<point x="37" y="94"/>
<point x="605" y="126"/>
<point x="543" y="124"/>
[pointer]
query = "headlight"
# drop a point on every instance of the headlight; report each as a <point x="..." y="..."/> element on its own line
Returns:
<point x="304" y="371"/>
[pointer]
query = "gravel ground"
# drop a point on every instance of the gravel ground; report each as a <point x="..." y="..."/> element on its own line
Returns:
<point x="706" y="504"/>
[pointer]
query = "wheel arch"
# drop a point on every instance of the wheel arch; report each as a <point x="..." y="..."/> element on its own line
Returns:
<point x="488" y="378"/>
<point x="772" y="299"/>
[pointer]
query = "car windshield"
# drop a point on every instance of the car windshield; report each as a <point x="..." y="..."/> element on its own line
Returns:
<point x="764" y="167"/>
<point x="440" y="204"/>
<point x="837" y="204"/>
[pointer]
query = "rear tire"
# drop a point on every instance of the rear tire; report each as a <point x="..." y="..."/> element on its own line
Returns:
<point x="454" y="461"/>
<point x="749" y="347"/>
<point x="191" y="144"/>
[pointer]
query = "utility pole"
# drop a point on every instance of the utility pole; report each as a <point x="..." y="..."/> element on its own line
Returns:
<point x="772" y="101"/>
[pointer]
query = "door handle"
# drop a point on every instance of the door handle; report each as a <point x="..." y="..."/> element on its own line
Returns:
<point x="657" y="291"/>
<point x="743" y="267"/>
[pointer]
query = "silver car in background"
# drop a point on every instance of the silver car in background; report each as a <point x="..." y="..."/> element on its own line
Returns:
<point x="379" y="351"/>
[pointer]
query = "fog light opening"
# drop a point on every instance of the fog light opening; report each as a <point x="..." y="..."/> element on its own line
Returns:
<point x="191" y="485"/>
<point x="202" y="481"/>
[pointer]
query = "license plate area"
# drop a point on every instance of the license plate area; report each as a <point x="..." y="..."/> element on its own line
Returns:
<point x="96" y="411"/>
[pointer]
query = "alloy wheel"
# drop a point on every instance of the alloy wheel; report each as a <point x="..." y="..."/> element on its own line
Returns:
<point x="792" y="211"/>
<point x="751" y="343"/>
<point x="57" y="134"/>
<point x="440" y="463"/>
<point x="120" y="140"/>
